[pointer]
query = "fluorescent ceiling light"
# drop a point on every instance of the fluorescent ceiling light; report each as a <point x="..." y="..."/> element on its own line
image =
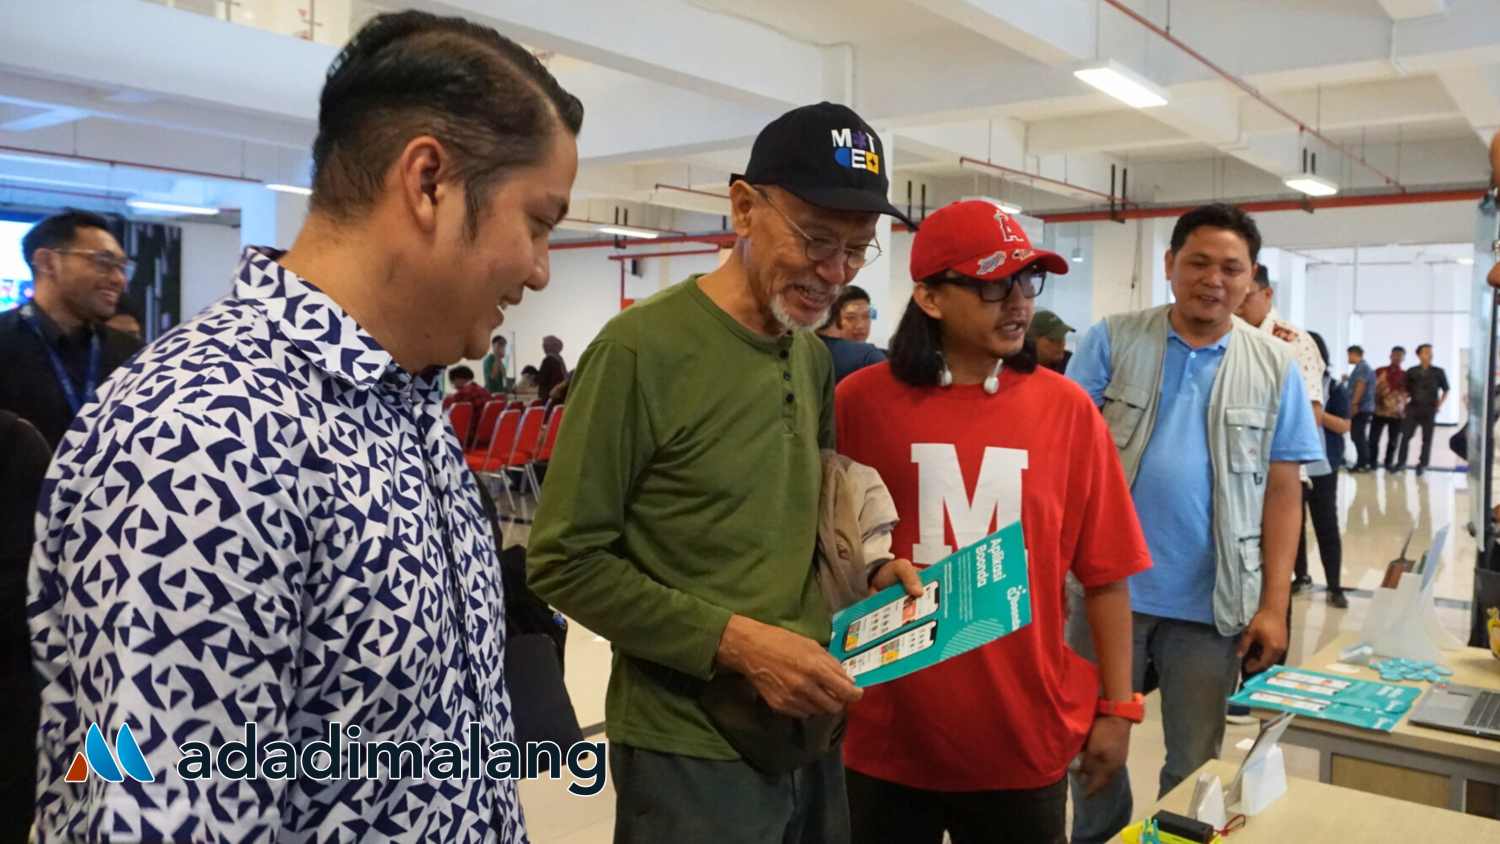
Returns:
<point x="297" y="189"/>
<point x="1077" y="255"/>
<point x="1123" y="84"/>
<point x="1468" y="262"/>
<point x="1312" y="185"/>
<point x="629" y="231"/>
<point x="170" y="207"/>
<point x="1009" y="208"/>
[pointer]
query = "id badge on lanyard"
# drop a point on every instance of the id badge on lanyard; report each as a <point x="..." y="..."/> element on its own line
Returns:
<point x="64" y="380"/>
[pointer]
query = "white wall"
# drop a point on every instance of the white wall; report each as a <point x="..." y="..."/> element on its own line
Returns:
<point x="583" y="294"/>
<point x="1382" y="306"/>
<point x="209" y="255"/>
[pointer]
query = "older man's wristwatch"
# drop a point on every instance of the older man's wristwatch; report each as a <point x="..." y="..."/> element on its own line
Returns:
<point x="1133" y="710"/>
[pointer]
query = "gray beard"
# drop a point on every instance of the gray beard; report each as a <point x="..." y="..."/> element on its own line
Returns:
<point x="788" y="322"/>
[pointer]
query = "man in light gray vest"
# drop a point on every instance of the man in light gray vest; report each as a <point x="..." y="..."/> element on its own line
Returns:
<point x="1212" y="422"/>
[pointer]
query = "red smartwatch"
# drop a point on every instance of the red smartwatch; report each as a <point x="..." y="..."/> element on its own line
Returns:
<point x="1133" y="710"/>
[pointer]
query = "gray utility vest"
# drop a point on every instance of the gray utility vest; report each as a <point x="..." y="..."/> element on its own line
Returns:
<point x="1242" y="413"/>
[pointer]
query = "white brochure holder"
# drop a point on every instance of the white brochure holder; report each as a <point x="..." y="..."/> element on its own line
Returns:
<point x="1208" y="802"/>
<point x="1261" y="779"/>
<point x="1403" y="622"/>
<point x="1262" y="782"/>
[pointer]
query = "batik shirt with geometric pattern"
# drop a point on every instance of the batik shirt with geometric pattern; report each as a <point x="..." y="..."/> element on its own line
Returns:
<point x="263" y="518"/>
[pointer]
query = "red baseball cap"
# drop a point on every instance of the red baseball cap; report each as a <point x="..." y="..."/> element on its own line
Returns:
<point x="973" y="237"/>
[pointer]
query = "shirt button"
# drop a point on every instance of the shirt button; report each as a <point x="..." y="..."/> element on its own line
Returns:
<point x="785" y="354"/>
<point x="786" y="376"/>
<point x="790" y="398"/>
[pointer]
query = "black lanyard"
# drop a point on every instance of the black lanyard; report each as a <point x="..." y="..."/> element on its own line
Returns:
<point x="64" y="380"/>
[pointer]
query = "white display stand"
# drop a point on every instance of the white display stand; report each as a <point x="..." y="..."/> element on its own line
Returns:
<point x="1262" y="782"/>
<point x="1261" y="779"/>
<point x="1403" y="622"/>
<point x="1208" y="802"/>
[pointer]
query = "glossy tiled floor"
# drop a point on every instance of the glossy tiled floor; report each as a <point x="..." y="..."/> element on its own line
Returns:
<point x="1378" y="511"/>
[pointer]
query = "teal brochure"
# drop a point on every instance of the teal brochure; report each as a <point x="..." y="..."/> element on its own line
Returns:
<point x="1360" y="703"/>
<point x="970" y="598"/>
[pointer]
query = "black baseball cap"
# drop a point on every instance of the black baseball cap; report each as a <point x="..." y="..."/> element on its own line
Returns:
<point x="825" y="155"/>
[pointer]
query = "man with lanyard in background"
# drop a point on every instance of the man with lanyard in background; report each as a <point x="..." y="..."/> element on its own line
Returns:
<point x="56" y="348"/>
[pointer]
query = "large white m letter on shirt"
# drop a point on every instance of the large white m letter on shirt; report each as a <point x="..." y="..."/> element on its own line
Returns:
<point x="940" y="487"/>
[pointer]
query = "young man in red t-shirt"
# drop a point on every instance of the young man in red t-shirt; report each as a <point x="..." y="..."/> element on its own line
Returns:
<point x="970" y="435"/>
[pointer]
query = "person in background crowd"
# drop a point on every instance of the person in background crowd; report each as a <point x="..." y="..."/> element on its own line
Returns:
<point x="23" y="462"/>
<point x="1050" y="334"/>
<point x="1390" y="409"/>
<point x="126" y="319"/>
<point x="846" y="332"/>
<point x="1428" y="387"/>
<point x="464" y="388"/>
<point x="553" y="370"/>
<point x="1321" y="493"/>
<point x="1259" y="312"/>
<point x="1362" y="402"/>
<point x="496" y="373"/>
<point x="681" y="509"/>
<point x="56" y="349"/>
<point x="526" y="384"/>
<point x="1215" y="477"/>
<point x="289" y="531"/>
<point x="850" y="317"/>
<point x="979" y="746"/>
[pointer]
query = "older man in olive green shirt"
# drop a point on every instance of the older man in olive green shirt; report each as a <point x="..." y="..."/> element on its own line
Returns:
<point x="680" y="510"/>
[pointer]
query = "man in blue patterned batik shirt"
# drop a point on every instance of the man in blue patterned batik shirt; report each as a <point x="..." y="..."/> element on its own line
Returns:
<point x="266" y="519"/>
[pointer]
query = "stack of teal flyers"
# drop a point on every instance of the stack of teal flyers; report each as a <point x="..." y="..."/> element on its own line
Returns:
<point x="1313" y="694"/>
<point x="969" y="599"/>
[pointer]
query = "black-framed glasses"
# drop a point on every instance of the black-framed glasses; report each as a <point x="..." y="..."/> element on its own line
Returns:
<point x="104" y="262"/>
<point x="1030" y="281"/>
<point x="820" y="249"/>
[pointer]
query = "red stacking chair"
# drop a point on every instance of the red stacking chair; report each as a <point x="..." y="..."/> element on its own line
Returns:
<point x="549" y="442"/>
<point x="487" y="419"/>
<point x="491" y="458"/>
<point x="516" y="405"/>
<point x="539" y="403"/>
<point x="549" y="436"/>
<point x="461" y="416"/>
<point x="528" y="438"/>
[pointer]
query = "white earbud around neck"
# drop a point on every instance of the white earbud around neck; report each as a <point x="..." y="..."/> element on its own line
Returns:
<point x="991" y="384"/>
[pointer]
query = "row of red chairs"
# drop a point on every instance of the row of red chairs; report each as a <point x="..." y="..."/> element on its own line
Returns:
<point x="478" y="436"/>
<point x="516" y="440"/>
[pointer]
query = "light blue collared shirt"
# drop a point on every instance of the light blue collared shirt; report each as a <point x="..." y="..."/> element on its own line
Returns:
<point x="1173" y="488"/>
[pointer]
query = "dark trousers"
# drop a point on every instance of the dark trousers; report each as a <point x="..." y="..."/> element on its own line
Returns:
<point x="661" y="797"/>
<point x="1322" y="501"/>
<point x="883" y="812"/>
<point x="1393" y="445"/>
<point x="1419" y="417"/>
<point x="1364" y="450"/>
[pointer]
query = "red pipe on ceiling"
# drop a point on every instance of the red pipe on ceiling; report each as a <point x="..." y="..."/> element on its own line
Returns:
<point x="161" y="168"/>
<point x="108" y="197"/>
<point x="631" y="256"/>
<point x="724" y="239"/>
<point x="660" y="186"/>
<point x="1032" y="176"/>
<point x="1248" y="89"/>
<point x="1310" y="204"/>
